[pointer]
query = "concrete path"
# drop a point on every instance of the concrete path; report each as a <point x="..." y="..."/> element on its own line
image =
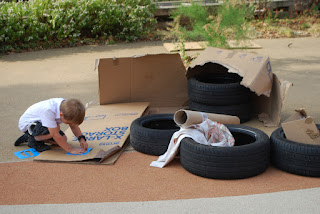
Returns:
<point x="289" y="202"/>
<point x="27" y="78"/>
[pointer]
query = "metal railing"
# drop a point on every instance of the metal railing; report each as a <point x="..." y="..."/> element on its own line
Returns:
<point x="164" y="8"/>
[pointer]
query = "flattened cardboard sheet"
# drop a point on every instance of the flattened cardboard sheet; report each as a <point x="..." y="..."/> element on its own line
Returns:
<point x="246" y="44"/>
<point x="299" y="127"/>
<point x="106" y="128"/>
<point x="172" y="47"/>
<point x="201" y="45"/>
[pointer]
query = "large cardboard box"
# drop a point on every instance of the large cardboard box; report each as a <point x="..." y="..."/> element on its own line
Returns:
<point x="257" y="76"/>
<point x="161" y="79"/>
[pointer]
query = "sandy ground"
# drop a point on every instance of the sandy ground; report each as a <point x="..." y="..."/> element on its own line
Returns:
<point x="27" y="78"/>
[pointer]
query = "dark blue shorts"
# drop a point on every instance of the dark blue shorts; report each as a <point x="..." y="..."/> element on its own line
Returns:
<point x="37" y="129"/>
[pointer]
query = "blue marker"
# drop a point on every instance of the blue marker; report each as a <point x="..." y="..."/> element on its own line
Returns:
<point x="88" y="150"/>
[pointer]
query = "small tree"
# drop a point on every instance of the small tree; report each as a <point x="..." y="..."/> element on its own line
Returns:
<point x="228" y="22"/>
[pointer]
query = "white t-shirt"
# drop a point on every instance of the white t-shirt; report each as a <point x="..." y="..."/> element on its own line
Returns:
<point x="47" y="112"/>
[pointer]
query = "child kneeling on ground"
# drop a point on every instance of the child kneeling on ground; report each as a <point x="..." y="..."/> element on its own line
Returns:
<point x="41" y="124"/>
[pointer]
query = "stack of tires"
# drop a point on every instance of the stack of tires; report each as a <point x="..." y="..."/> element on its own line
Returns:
<point x="294" y="157"/>
<point x="220" y="93"/>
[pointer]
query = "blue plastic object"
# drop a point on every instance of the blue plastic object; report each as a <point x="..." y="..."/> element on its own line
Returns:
<point x="28" y="153"/>
<point x="88" y="150"/>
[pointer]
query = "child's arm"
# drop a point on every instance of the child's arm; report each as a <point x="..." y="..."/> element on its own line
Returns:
<point x="77" y="132"/>
<point x="61" y="141"/>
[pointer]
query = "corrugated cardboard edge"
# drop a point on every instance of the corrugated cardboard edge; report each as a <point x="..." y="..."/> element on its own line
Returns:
<point x="103" y="155"/>
<point x="114" y="157"/>
<point x="270" y="107"/>
<point x="299" y="114"/>
<point x="203" y="62"/>
<point x="302" y="131"/>
<point x="247" y="81"/>
<point x="96" y="64"/>
<point x="300" y="127"/>
<point x="111" y="157"/>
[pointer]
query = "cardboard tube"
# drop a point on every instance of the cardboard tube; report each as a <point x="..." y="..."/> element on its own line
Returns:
<point x="185" y="118"/>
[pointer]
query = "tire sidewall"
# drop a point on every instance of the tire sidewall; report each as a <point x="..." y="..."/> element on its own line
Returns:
<point x="253" y="157"/>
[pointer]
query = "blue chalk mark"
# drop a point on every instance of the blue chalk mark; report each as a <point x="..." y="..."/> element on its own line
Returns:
<point x="28" y="153"/>
<point x="97" y="117"/>
<point x="268" y="67"/>
<point x="242" y="56"/>
<point x="257" y="59"/>
<point x="88" y="150"/>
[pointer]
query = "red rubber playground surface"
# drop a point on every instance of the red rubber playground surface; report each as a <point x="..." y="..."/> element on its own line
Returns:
<point x="129" y="179"/>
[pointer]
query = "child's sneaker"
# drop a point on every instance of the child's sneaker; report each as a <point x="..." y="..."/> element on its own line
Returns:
<point x="37" y="145"/>
<point x="23" y="138"/>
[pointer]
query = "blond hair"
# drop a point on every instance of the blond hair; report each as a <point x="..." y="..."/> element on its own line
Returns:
<point x="73" y="111"/>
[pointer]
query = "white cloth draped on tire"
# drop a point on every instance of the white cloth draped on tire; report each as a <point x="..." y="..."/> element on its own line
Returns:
<point x="208" y="133"/>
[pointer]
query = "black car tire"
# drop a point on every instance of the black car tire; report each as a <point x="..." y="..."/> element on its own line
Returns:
<point x="151" y="134"/>
<point x="218" y="89"/>
<point x="243" y="111"/>
<point x="294" y="157"/>
<point x="249" y="156"/>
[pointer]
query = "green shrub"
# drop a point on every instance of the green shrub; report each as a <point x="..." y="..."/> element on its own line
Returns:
<point x="51" y="22"/>
<point x="315" y="30"/>
<point x="286" y="32"/>
<point x="191" y="20"/>
<point x="228" y="22"/>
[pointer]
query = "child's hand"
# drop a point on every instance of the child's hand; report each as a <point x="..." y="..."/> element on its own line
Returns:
<point x="76" y="151"/>
<point x="84" y="146"/>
